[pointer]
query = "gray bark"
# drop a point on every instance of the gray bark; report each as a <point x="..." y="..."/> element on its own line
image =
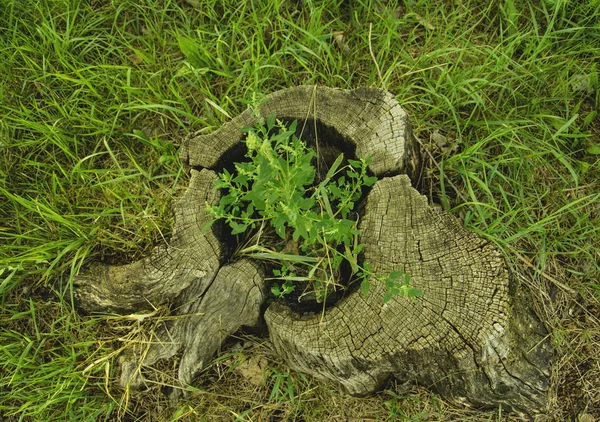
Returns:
<point x="470" y="337"/>
<point x="466" y="338"/>
<point x="212" y="300"/>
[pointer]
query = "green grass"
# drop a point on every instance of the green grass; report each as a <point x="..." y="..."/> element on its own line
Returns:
<point x="95" y="97"/>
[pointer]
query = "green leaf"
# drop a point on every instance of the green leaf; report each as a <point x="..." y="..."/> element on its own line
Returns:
<point x="292" y="127"/>
<point x="334" y="191"/>
<point x="323" y="196"/>
<point x="594" y="149"/>
<point x="412" y="292"/>
<point x="207" y="226"/>
<point x="278" y="224"/>
<point x="256" y="199"/>
<point x="364" y="286"/>
<point x="301" y="228"/>
<point x="388" y="296"/>
<point x="191" y="52"/>
<point x="270" y="122"/>
<point x="369" y="180"/>
<point x="228" y="199"/>
<point x="351" y="259"/>
<point x="241" y="179"/>
<point x="306" y="204"/>
<point x="276" y="290"/>
<point x="237" y="228"/>
<point x="395" y="275"/>
<point x="288" y="287"/>
<point x="355" y="163"/>
<point x="334" y="167"/>
<point x="337" y="260"/>
<point x="589" y="118"/>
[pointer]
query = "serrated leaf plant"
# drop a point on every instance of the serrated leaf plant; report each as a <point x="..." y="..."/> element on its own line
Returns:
<point x="313" y="220"/>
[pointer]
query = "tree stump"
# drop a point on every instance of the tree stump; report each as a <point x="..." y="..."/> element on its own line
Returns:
<point x="471" y="337"/>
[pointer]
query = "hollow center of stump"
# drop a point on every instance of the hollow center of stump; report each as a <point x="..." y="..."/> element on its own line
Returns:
<point x="328" y="144"/>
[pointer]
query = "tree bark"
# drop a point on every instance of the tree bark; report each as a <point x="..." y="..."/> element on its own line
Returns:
<point x="471" y="337"/>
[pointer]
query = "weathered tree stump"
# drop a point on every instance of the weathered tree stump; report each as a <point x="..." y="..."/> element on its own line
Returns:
<point x="471" y="337"/>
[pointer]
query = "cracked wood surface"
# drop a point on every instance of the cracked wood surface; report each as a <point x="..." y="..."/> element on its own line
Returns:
<point x="211" y="300"/>
<point x="190" y="259"/>
<point x="207" y="317"/>
<point x="471" y="337"/>
<point x="370" y="120"/>
<point x="464" y="338"/>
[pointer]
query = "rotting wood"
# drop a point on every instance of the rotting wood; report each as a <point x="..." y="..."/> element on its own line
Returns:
<point x="370" y="120"/>
<point x="471" y="337"/>
<point x="468" y="338"/>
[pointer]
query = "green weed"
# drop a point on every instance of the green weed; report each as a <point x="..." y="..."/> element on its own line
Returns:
<point x="278" y="190"/>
